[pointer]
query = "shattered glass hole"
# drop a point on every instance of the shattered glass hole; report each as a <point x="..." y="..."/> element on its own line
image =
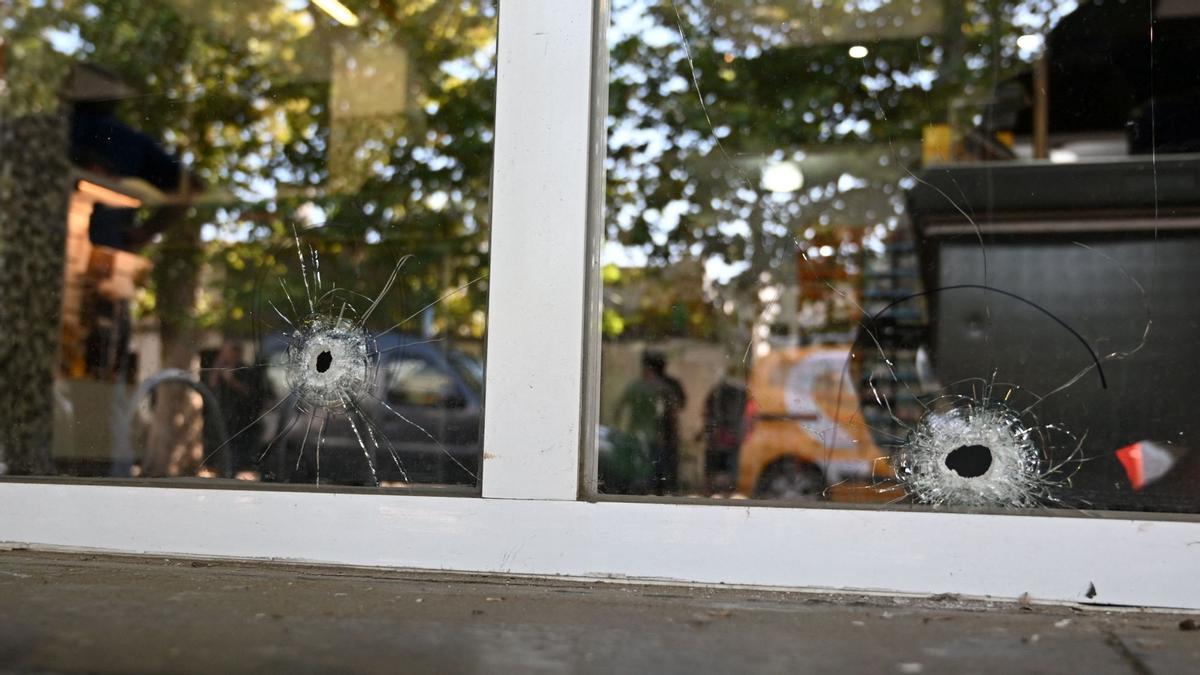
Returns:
<point x="969" y="461"/>
<point x="323" y="361"/>
<point x="332" y="360"/>
<point x="334" y="384"/>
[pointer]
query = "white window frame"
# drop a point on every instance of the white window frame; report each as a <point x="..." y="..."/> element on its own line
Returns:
<point x="534" y="516"/>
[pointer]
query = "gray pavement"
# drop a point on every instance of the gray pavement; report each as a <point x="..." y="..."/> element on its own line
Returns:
<point x="88" y="613"/>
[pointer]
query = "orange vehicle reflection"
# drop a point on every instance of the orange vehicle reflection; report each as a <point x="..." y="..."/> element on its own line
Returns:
<point x="806" y="437"/>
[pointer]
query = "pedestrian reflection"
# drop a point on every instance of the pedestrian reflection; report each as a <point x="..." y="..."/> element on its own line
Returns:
<point x="239" y="391"/>
<point x="648" y="415"/>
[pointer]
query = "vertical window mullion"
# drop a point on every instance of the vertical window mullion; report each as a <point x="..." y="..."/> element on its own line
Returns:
<point x="539" y="251"/>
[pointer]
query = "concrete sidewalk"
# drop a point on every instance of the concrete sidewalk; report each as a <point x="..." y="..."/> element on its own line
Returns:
<point x="76" y="613"/>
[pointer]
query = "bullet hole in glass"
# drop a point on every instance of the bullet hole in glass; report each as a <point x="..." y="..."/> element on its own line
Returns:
<point x="969" y="461"/>
<point x="324" y="359"/>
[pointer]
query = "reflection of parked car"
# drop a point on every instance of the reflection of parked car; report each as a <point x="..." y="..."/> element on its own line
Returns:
<point x="805" y="431"/>
<point x="439" y="392"/>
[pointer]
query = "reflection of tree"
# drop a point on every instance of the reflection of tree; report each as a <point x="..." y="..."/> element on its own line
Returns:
<point x="246" y="94"/>
<point x="779" y="84"/>
<point x="648" y="302"/>
<point x="242" y="92"/>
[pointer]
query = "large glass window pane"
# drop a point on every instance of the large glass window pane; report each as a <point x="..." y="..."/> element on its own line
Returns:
<point x="245" y="240"/>
<point x="903" y="251"/>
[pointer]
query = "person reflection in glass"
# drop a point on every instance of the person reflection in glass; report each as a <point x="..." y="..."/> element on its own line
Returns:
<point x="654" y="401"/>
<point x="724" y="418"/>
<point x="238" y="390"/>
